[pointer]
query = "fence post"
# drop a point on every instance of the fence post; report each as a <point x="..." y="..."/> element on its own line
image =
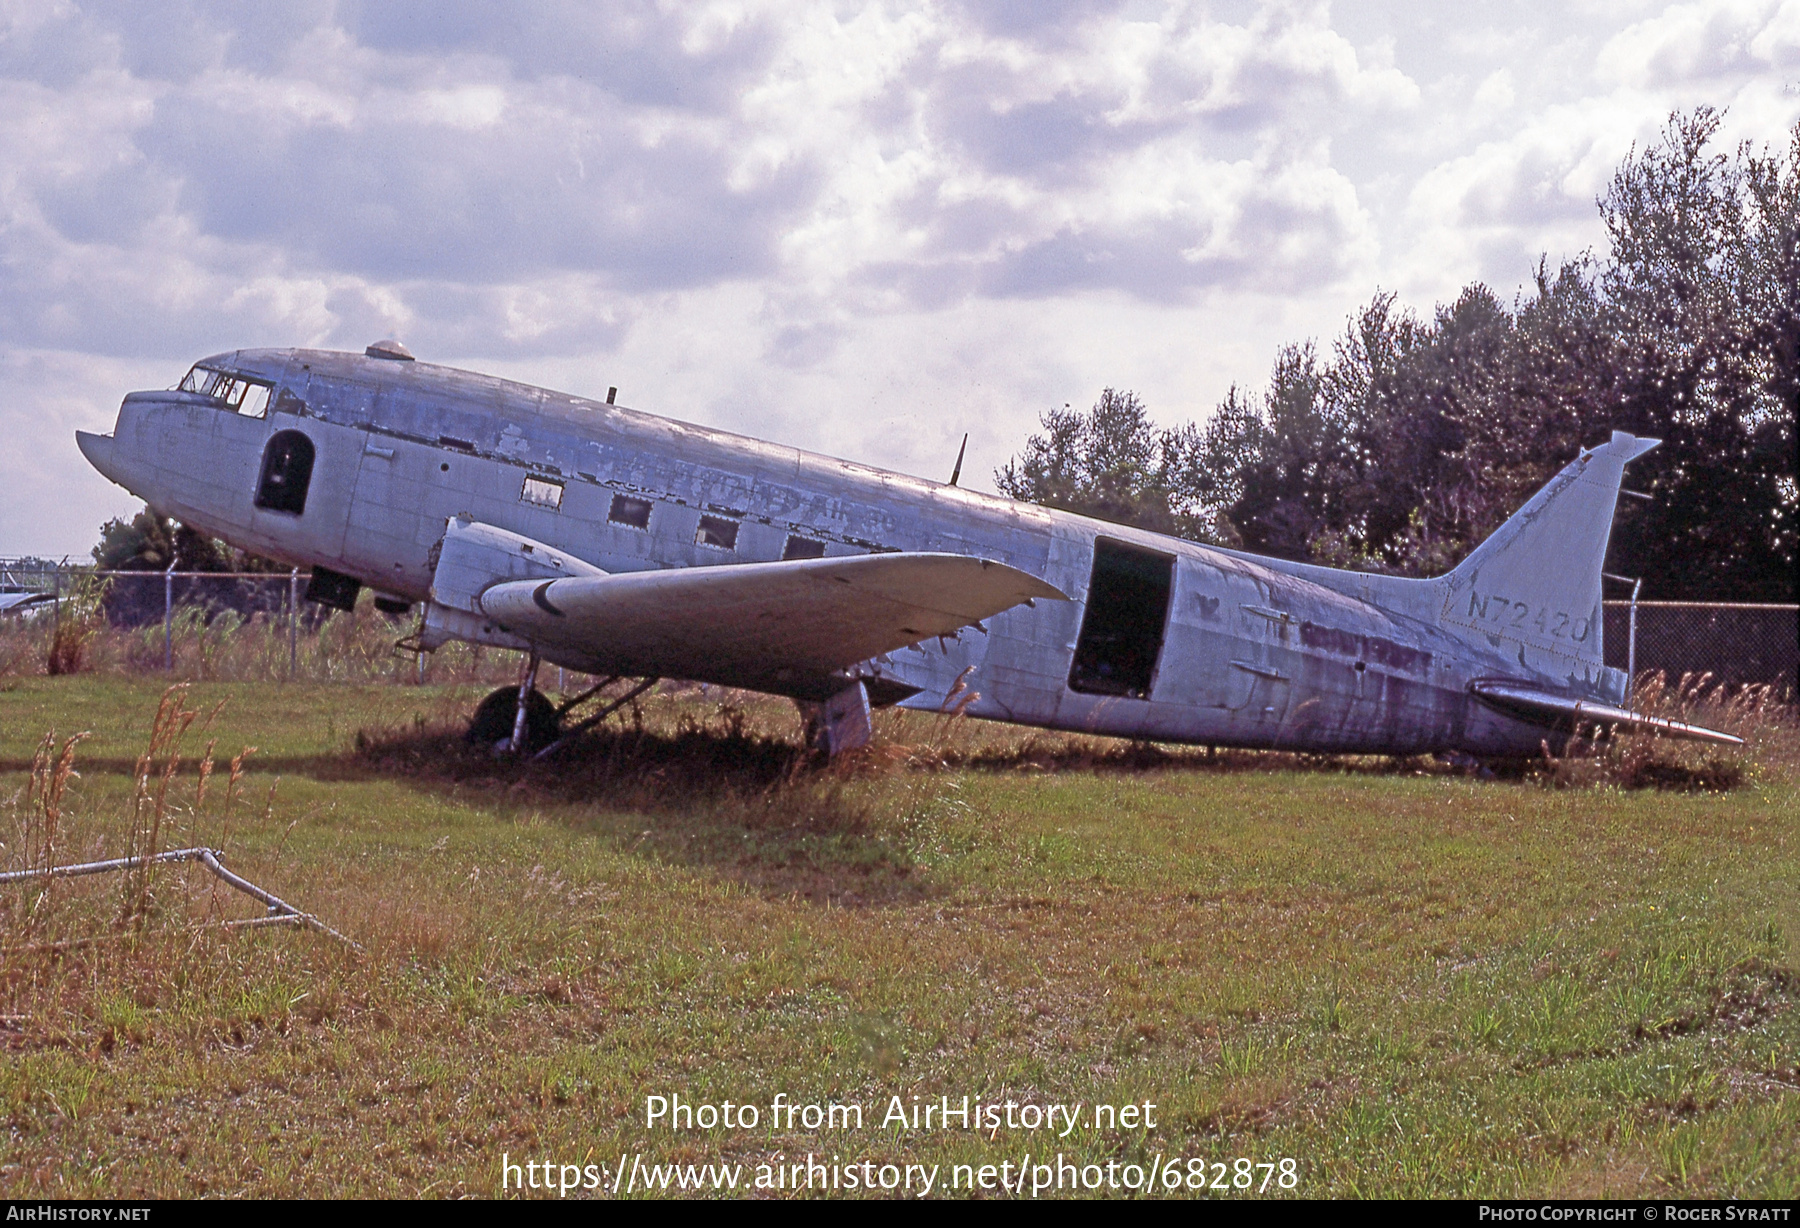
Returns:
<point x="293" y="621"/>
<point x="1631" y="651"/>
<point x="169" y="617"/>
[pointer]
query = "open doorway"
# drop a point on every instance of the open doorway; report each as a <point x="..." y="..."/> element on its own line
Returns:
<point x="1122" y="630"/>
<point x="286" y="473"/>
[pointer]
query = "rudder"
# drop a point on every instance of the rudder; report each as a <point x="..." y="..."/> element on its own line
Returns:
<point x="1533" y="588"/>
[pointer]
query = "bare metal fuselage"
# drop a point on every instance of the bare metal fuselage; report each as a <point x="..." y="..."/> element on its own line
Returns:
<point x="1247" y="652"/>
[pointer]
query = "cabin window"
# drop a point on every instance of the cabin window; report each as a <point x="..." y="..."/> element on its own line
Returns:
<point x="286" y="473"/>
<point x="802" y="548"/>
<point x="541" y="492"/>
<point x="633" y="513"/>
<point x="1122" y="629"/>
<point x="241" y="396"/>
<point x="717" y="531"/>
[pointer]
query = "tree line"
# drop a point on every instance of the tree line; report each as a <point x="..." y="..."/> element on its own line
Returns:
<point x="1413" y="439"/>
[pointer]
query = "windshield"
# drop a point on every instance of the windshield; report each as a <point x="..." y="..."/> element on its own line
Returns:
<point x="233" y="391"/>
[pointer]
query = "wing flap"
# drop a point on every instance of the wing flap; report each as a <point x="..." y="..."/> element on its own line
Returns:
<point x="1543" y="708"/>
<point x="762" y="625"/>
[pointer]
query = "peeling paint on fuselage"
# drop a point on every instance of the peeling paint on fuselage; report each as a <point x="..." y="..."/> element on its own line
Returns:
<point x="1256" y="652"/>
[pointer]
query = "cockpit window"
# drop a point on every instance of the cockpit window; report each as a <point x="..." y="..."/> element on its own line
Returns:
<point x="234" y="392"/>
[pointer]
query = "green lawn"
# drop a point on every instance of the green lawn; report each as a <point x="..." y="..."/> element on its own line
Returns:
<point x="1410" y="983"/>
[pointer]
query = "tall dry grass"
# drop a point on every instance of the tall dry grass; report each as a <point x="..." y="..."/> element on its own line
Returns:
<point x="168" y="808"/>
<point x="1637" y="761"/>
<point x="225" y="646"/>
<point x="37" y="822"/>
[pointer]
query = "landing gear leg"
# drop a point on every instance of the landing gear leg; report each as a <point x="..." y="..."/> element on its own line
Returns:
<point x="839" y="724"/>
<point x="526" y="685"/>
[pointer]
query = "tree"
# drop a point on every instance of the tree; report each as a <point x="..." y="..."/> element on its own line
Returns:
<point x="1278" y="473"/>
<point x="149" y="541"/>
<point x="1111" y="463"/>
<point x="1417" y="438"/>
<point x="1703" y="295"/>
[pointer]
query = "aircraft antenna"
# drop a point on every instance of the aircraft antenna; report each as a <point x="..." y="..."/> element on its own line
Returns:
<point x="957" y="471"/>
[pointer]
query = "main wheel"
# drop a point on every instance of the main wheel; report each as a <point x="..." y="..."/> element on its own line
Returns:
<point x="493" y="719"/>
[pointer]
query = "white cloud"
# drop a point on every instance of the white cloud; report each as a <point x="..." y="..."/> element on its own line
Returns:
<point x="1703" y="41"/>
<point x="1778" y="42"/>
<point x="1496" y="91"/>
<point x="50" y="505"/>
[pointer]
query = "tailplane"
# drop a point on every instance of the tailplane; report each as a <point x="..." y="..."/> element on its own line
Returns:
<point x="1578" y="716"/>
<point x="1533" y="588"/>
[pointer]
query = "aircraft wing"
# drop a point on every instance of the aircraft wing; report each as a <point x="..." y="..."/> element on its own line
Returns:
<point x="1560" y="711"/>
<point x="18" y="603"/>
<point x="784" y="627"/>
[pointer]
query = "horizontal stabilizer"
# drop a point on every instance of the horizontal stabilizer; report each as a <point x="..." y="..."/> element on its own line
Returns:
<point x="783" y="627"/>
<point x="1563" y="712"/>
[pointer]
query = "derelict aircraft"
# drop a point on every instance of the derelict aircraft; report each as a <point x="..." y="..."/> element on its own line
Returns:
<point x="630" y="546"/>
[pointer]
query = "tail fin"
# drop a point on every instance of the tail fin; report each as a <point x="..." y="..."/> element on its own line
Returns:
<point x="1533" y="588"/>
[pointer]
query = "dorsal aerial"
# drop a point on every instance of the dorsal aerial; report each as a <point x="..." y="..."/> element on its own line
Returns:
<point x="622" y="544"/>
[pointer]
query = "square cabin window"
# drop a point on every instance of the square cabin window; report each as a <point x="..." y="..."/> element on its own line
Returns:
<point x="717" y="531"/>
<point x="802" y="548"/>
<point x="632" y="513"/>
<point x="541" y="492"/>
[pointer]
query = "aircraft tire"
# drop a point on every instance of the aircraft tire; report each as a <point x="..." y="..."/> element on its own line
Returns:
<point x="493" y="719"/>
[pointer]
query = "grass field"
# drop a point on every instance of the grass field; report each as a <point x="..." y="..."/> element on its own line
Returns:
<point x="1405" y="980"/>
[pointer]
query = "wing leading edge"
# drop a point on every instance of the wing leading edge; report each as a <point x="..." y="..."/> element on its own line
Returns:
<point x="786" y="627"/>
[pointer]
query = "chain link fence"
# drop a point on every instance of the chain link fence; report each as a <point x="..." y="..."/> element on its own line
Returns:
<point x="59" y="618"/>
<point x="1739" y="645"/>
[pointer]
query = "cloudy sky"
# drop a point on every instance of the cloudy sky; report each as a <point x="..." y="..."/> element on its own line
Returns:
<point x="861" y="228"/>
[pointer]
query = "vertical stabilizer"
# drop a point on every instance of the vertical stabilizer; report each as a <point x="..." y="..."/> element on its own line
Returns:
<point x="1532" y="590"/>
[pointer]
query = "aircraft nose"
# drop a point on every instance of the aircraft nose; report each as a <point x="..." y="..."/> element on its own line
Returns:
<point x="99" y="450"/>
